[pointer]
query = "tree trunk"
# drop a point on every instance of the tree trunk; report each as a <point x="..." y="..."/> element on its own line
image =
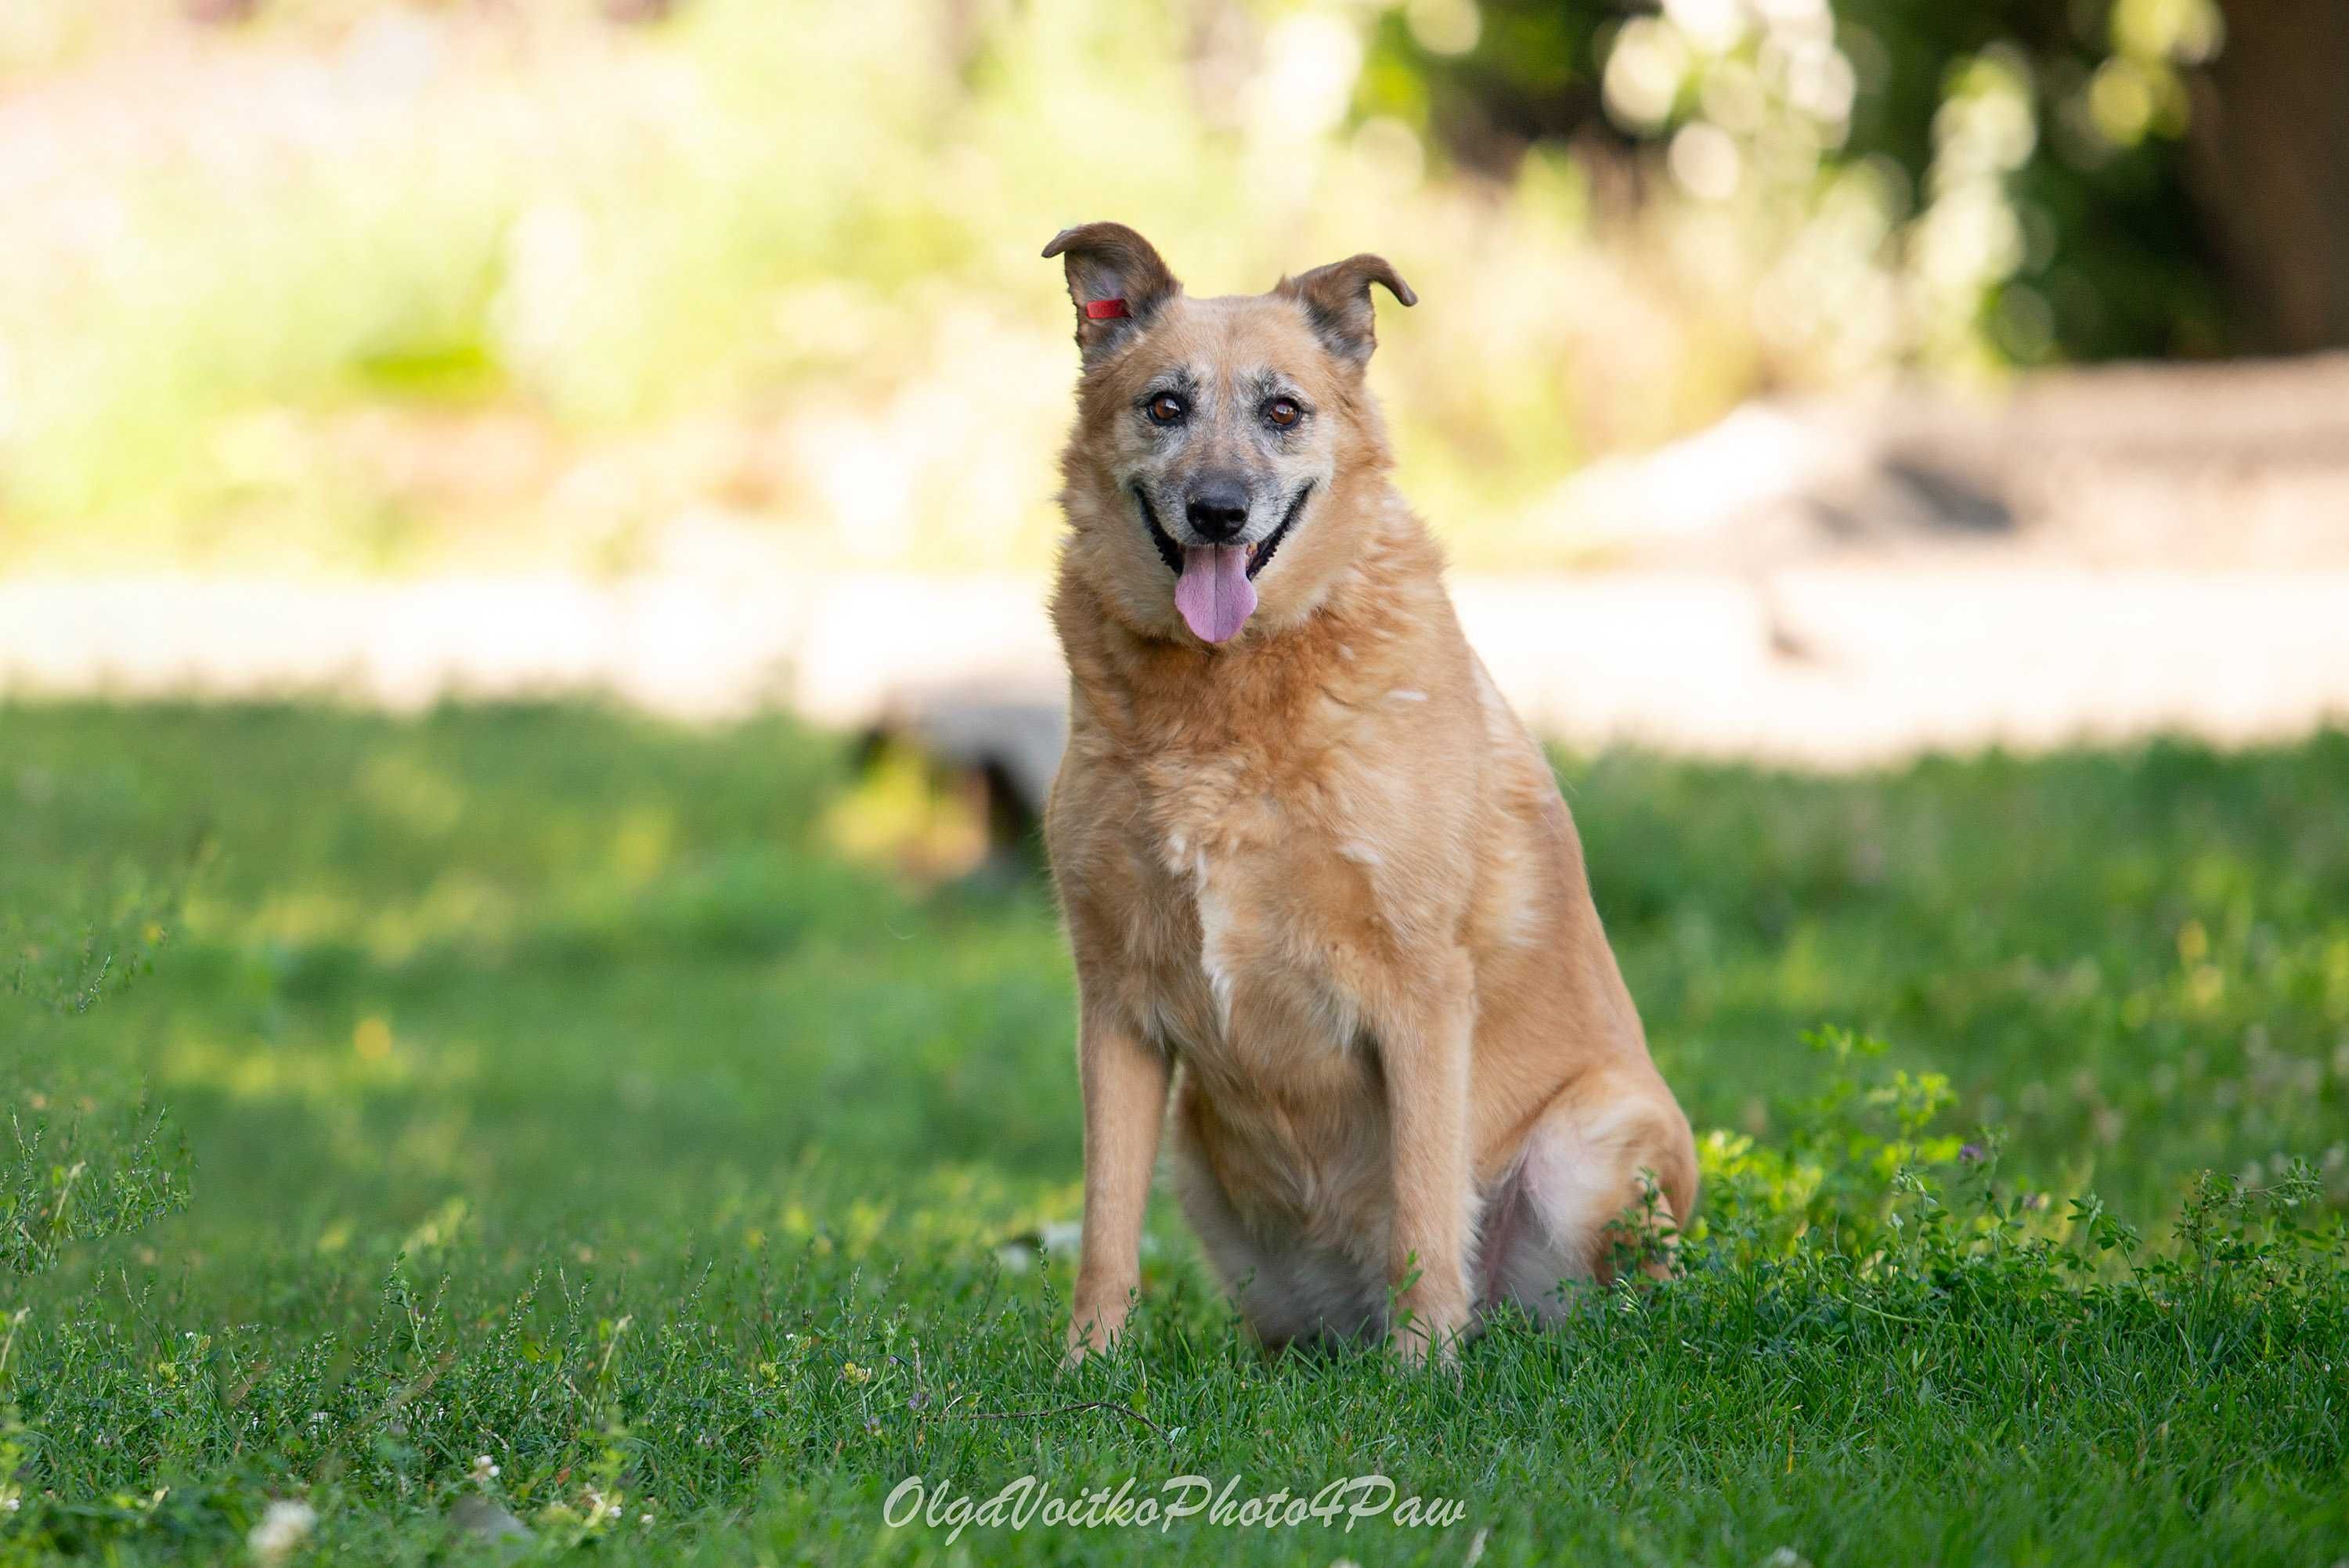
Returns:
<point x="2269" y="167"/>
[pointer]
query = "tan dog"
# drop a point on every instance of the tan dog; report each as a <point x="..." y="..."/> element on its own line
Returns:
<point x="1309" y="856"/>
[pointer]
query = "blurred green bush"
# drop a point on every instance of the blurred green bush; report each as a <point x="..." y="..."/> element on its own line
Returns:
<point x="356" y="286"/>
<point x="2000" y="181"/>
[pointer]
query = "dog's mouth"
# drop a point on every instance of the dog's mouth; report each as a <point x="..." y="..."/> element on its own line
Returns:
<point x="1214" y="585"/>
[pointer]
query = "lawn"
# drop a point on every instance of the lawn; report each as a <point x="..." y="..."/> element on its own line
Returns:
<point x="551" y="1088"/>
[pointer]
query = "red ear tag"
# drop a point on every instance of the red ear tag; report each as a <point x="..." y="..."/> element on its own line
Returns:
<point x="1104" y="309"/>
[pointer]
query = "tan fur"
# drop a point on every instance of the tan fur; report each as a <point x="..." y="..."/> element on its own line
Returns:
<point x="1321" y="883"/>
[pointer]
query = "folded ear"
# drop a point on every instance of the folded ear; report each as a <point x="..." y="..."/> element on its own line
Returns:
<point x="1338" y="300"/>
<point x="1116" y="282"/>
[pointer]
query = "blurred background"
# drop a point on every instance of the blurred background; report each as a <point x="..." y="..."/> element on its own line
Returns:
<point x="524" y="526"/>
<point x="1765" y="388"/>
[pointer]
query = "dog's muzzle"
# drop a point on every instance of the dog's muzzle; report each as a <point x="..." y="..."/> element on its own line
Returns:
<point x="1259" y="553"/>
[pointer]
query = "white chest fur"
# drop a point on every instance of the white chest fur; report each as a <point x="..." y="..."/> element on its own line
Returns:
<point x="1246" y="983"/>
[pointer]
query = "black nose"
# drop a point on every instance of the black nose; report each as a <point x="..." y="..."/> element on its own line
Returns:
<point x="1217" y="509"/>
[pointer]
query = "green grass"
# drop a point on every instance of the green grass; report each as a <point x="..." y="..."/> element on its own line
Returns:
<point x="540" y="1084"/>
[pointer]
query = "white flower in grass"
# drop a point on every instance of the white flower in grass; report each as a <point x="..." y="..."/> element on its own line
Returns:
<point x="282" y="1531"/>
<point x="485" y="1471"/>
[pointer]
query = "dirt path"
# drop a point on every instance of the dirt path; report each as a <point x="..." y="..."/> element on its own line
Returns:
<point x="1830" y="665"/>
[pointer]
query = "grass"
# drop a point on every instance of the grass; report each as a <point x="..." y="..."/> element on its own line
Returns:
<point x="545" y="1086"/>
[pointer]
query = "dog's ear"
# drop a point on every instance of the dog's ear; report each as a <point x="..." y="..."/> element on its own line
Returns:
<point x="1337" y="299"/>
<point x="1115" y="280"/>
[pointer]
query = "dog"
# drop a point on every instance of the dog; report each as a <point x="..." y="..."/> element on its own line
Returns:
<point x="1319" y="884"/>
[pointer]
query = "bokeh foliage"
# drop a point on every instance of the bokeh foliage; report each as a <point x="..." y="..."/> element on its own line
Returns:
<point x="361" y="285"/>
<point x="2023" y="163"/>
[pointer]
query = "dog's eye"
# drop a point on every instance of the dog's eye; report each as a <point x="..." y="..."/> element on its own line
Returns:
<point x="1283" y="412"/>
<point x="1167" y="409"/>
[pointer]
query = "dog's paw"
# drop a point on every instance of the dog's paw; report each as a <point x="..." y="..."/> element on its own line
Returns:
<point x="1090" y="1336"/>
<point x="1416" y="1348"/>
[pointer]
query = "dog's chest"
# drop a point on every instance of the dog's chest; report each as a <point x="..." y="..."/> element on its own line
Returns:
<point x="1236" y="952"/>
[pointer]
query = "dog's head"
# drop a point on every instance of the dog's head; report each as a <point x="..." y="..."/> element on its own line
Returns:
<point x="1221" y="444"/>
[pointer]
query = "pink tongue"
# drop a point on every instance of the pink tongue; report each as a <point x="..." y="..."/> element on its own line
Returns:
<point x="1214" y="591"/>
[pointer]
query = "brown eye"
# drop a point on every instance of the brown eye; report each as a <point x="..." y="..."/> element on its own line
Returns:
<point x="1167" y="409"/>
<point x="1283" y="412"/>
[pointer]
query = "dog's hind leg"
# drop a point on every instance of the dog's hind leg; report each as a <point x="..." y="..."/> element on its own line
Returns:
<point x="1605" y="1178"/>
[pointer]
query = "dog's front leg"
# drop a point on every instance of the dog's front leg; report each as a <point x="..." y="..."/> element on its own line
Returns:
<point x="1425" y="1049"/>
<point x="1124" y="1086"/>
